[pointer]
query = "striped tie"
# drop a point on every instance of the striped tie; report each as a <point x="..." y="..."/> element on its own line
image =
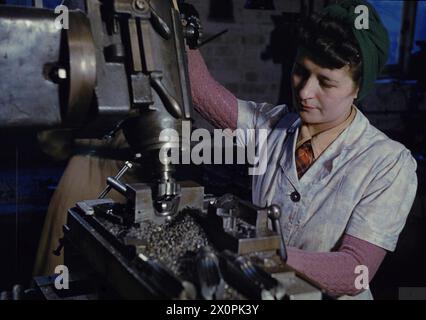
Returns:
<point x="304" y="158"/>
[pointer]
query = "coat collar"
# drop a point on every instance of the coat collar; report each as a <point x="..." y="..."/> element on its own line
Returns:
<point x="329" y="159"/>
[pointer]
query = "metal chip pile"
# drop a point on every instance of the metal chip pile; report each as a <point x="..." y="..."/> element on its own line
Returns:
<point x="174" y="244"/>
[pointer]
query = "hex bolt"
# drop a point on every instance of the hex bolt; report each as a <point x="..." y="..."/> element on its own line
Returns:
<point x="140" y="4"/>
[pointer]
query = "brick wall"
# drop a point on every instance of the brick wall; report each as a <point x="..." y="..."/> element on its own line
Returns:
<point x="395" y="106"/>
<point x="234" y="59"/>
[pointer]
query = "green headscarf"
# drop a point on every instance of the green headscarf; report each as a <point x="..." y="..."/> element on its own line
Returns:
<point x="374" y="42"/>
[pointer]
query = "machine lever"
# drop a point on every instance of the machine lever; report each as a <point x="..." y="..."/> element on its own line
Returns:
<point x="127" y="166"/>
<point x="169" y="102"/>
<point x="274" y="213"/>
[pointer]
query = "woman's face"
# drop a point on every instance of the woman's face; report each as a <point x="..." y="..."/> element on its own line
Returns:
<point x="323" y="97"/>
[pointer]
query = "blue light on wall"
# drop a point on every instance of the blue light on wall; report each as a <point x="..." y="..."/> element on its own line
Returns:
<point x="391" y="14"/>
<point x="29" y="3"/>
<point x="420" y="32"/>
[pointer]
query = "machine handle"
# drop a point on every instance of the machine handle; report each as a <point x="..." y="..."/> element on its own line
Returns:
<point x="274" y="213"/>
<point x="169" y="102"/>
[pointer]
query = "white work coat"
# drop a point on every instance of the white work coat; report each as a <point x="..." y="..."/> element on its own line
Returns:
<point x="363" y="184"/>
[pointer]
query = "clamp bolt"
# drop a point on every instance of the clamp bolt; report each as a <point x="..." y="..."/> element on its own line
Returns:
<point x="141" y="4"/>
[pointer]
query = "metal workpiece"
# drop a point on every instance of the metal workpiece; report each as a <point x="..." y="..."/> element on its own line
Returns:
<point x="146" y="201"/>
<point x="88" y="206"/>
<point x="239" y="226"/>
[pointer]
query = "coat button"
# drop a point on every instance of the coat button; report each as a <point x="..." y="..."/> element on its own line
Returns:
<point x="295" y="196"/>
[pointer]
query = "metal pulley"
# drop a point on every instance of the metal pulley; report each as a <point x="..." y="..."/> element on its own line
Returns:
<point x="81" y="76"/>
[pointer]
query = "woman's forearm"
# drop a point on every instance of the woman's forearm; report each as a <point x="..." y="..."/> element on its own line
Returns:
<point x="214" y="102"/>
<point x="335" y="271"/>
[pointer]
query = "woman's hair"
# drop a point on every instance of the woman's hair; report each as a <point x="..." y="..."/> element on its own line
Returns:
<point x="331" y="44"/>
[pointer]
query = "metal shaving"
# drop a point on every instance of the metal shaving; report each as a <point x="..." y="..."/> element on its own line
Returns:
<point x="174" y="244"/>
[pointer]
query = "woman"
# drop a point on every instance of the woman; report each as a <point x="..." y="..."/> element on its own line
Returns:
<point x="345" y="188"/>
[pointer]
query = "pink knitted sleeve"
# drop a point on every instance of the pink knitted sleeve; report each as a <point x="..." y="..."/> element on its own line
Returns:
<point x="215" y="103"/>
<point x="335" y="271"/>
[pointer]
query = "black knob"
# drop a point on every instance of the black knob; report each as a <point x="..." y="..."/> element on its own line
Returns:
<point x="295" y="196"/>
